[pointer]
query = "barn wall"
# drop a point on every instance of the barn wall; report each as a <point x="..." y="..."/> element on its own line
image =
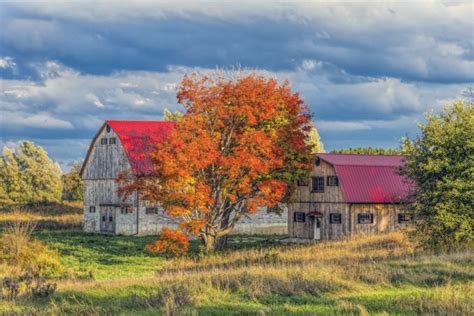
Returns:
<point x="106" y="161"/>
<point x="331" y="201"/>
<point x="385" y="218"/>
<point x="102" y="168"/>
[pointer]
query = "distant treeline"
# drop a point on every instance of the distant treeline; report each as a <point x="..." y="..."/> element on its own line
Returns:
<point x="367" y="151"/>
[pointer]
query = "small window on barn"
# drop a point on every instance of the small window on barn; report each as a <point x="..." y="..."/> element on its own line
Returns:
<point x="303" y="182"/>
<point x="299" y="216"/>
<point x="108" y="128"/>
<point x="333" y="181"/>
<point x="91" y="209"/>
<point x="317" y="184"/>
<point x="151" y="210"/>
<point x="103" y="141"/>
<point x="335" y="218"/>
<point x="126" y="210"/>
<point x="403" y="218"/>
<point x="365" y="218"/>
<point x="317" y="162"/>
<point x="112" y="140"/>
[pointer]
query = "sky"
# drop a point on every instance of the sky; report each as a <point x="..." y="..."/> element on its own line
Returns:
<point x="368" y="70"/>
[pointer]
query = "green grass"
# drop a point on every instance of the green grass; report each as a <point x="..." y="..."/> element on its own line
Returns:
<point x="103" y="256"/>
<point x="256" y="276"/>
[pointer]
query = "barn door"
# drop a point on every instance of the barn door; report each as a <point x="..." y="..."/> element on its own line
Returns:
<point x="111" y="220"/>
<point x="107" y="219"/>
<point x="103" y="219"/>
<point x="317" y="228"/>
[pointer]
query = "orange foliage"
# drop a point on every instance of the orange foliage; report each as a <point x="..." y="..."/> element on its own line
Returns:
<point x="173" y="241"/>
<point x="239" y="146"/>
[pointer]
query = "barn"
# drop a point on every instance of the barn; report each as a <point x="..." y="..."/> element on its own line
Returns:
<point x="125" y="146"/>
<point x="347" y="195"/>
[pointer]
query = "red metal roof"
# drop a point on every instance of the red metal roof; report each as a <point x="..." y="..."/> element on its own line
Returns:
<point x="138" y="140"/>
<point x="369" y="178"/>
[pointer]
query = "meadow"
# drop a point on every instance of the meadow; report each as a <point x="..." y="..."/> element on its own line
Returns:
<point x="257" y="275"/>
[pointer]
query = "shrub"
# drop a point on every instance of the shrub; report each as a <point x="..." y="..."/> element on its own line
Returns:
<point x="171" y="241"/>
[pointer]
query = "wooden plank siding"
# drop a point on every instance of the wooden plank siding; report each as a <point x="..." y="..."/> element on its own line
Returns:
<point x="103" y="164"/>
<point x="332" y="201"/>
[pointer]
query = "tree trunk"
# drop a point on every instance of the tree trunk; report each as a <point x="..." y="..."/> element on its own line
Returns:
<point x="209" y="243"/>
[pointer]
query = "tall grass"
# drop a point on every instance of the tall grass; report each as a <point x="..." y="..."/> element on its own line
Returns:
<point x="379" y="274"/>
<point x="52" y="216"/>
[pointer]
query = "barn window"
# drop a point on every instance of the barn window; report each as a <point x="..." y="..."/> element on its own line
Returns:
<point x="112" y="140"/>
<point x="333" y="181"/>
<point x="403" y="218"/>
<point x="126" y="210"/>
<point x="91" y="209"/>
<point x="317" y="162"/>
<point x="318" y="184"/>
<point x="103" y="218"/>
<point x="151" y="210"/>
<point x="303" y="182"/>
<point x="299" y="216"/>
<point x="103" y="141"/>
<point x="108" y="128"/>
<point x="335" y="218"/>
<point x="365" y="218"/>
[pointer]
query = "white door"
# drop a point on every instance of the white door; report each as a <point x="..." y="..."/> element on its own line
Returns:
<point x="317" y="228"/>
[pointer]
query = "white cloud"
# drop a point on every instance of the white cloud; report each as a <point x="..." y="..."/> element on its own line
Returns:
<point x="26" y="120"/>
<point x="7" y="62"/>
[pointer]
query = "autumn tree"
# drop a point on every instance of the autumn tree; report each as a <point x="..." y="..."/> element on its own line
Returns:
<point x="240" y="146"/>
<point x="28" y="175"/>
<point x="441" y="162"/>
<point x="73" y="184"/>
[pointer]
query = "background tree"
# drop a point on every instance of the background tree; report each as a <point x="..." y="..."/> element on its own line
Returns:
<point x="367" y="151"/>
<point x="314" y="141"/>
<point x="172" y="116"/>
<point x="73" y="184"/>
<point x="441" y="162"/>
<point x="27" y="175"/>
<point x="239" y="147"/>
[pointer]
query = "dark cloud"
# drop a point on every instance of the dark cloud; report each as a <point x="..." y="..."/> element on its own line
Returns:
<point x="368" y="72"/>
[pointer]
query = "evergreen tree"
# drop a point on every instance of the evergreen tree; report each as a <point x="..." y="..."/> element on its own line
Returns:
<point x="27" y="175"/>
<point x="441" y="163"/>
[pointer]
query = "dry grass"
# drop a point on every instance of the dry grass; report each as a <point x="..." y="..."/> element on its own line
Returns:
<point x="64" y="215"/>
<point x="379" y="274"/>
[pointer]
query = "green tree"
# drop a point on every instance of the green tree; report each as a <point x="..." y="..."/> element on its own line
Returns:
<point x="367" y="151"/>
<point x="73" y="184"/>
<point x="441" y="163"/>
<point x="314" y="140"/>
<point x="27" y="175"/>
<point x="172" y="116"/>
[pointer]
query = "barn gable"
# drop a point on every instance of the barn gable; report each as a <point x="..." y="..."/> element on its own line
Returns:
<point x="133" y="142"/>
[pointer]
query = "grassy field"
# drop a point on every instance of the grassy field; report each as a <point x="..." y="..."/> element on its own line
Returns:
<point x="257" y="276"/>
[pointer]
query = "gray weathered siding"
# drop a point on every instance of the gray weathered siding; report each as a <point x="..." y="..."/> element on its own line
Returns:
<point x="101" y="190"/>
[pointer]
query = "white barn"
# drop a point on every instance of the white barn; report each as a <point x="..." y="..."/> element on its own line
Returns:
<point x="123" y="146"/>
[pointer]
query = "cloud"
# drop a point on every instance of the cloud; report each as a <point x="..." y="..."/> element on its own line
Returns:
<point x="420" y="41"/>
<point x="368" y="72"/>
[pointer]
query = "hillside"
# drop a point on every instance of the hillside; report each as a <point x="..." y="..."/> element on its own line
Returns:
<point x="258" y="275"/>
